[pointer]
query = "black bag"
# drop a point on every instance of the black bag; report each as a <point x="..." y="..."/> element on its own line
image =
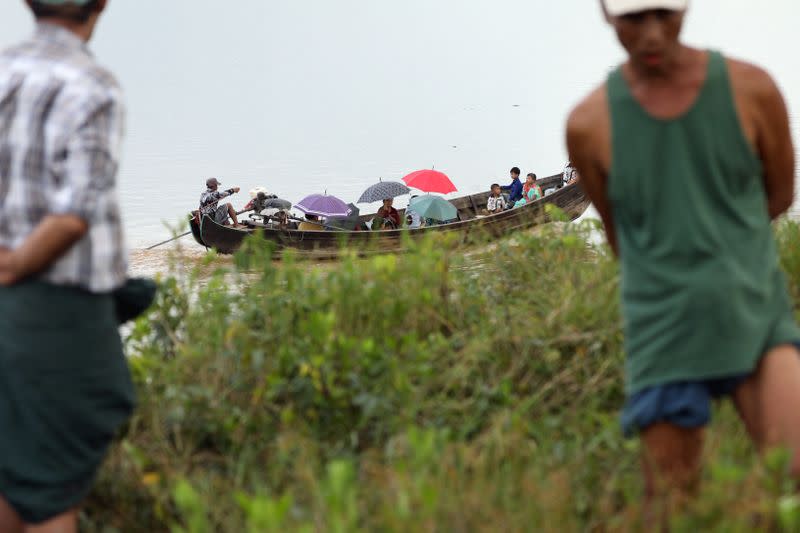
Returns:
<point x="134" y="298"/>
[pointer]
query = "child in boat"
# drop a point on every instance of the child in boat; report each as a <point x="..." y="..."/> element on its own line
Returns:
<point x="531" y="191"/>
<point x="496" y="203"/>
<point x="514" y="190"/>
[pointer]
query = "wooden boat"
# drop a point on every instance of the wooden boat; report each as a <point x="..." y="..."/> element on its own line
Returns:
<point x="326" y="244"/>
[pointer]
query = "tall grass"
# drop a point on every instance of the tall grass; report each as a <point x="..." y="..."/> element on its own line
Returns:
<point x="436" y="390"/>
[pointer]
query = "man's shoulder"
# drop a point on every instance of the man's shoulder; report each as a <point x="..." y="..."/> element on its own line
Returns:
<point x="750" y="80"/>
<point x="739" y="68"/>
<point x="83" y="71"/>
<point x="75" y="69"/>
<point x="15" y="50"/>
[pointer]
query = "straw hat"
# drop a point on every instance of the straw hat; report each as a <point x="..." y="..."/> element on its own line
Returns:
<point x="254" y="192"/>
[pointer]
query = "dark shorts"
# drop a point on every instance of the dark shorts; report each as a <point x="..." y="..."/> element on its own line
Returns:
<point x="683" y="404"/>
<point x="220" y="214"/>
<point x="65" y="389"/>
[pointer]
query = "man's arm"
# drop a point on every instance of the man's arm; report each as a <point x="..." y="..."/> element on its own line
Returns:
<point x="50" y="240"/>
<point x="774" y="141"/>
<point x="219" y="195"/>
<point x="589" y="146"/>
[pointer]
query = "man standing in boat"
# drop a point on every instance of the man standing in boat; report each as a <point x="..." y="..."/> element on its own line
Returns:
<point x="209" y="202"/>
<point x="705" y="305"/>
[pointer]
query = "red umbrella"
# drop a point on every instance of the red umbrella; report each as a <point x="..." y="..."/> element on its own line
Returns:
<point x="430" y="181"/>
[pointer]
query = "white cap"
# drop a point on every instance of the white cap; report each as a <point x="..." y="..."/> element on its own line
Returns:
<point x="616" y="8"/>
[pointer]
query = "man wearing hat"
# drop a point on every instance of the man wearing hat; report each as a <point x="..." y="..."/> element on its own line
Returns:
<point x="687" y="155"/>
<point x="65" y="388"/>
<point x="209" y="202"/>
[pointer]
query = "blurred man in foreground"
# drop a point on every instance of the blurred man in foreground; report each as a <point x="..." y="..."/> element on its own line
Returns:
<point x="64" y="381"/>
<point x="687" y="156"/>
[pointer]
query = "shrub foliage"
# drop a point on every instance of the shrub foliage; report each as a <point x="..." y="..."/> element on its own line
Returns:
<point x="441" y="389"/>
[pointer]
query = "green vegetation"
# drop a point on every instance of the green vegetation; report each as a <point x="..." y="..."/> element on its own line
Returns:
<point x="432" y="391"/>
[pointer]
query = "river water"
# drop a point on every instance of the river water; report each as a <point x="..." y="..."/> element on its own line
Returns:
<point x="312" y="95"/>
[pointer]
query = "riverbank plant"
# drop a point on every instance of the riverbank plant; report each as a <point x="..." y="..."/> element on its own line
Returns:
<point x="441" y="389"/>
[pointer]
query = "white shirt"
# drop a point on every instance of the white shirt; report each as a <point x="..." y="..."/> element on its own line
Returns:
<point x="415" y="219"/>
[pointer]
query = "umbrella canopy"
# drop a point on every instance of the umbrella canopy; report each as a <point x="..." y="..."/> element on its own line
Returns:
<point x="323" y="205"/>
<point x="433" y="207"/>
<point x="348" y="222"/>
<point x="430" y="181"/>
<point x="382" y="191"/>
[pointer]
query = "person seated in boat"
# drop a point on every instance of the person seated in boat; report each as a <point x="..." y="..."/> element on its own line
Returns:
<point x="514" y="190"/>
<point x="311" y="223"/>
<point x="570" y="175"/>
<point x="281" y="219"/>
<point x="387" y="216"/>
<point x="261" y="199"/>
<point x="573" y="177"/>
<point x="530" y="192"/>
<point x="413" y="220"/>
<point x="496" y="203"/>
<point x="209" y="203"/>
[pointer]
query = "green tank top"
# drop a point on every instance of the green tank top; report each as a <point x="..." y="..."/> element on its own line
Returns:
<point x="703" y="296"/>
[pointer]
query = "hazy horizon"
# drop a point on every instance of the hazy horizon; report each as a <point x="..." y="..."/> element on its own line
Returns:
<point x="314" y="95"/>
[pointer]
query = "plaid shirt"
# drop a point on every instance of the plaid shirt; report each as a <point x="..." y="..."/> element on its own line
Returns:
<point x="61" y="122"/>
<point x="209" y="200"/>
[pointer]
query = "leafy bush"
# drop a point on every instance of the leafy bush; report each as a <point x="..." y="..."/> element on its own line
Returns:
<point x="439" y="389"/>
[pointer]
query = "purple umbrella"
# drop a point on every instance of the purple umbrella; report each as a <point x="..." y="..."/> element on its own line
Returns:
<point x="323" y="205"/>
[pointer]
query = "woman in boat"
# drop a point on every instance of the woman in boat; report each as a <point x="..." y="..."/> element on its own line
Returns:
<point x="387" y="216"/>
<point x="530" y="192"/>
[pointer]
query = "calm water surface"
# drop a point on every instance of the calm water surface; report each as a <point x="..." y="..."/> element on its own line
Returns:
<point x="312" y="95"/>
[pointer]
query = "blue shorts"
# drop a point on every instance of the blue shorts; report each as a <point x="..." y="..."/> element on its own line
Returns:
<point x="686" y="404"/>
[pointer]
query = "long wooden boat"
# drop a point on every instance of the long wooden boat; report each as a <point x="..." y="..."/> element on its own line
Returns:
<point x="326" y="244"/>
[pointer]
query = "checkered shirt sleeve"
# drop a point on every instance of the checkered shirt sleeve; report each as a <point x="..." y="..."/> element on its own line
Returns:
<point x="61" y="127"/>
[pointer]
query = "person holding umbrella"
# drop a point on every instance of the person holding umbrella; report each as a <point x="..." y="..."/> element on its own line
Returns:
<point x="387" y="216"/>
<point x="317" y="207"/>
